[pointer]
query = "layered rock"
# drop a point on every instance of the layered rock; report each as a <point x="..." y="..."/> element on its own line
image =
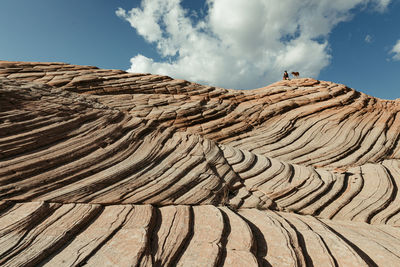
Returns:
<point x="104" y="167"/>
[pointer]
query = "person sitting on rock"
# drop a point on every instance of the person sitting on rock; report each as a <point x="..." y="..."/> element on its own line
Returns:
<point x="286" y="75"/>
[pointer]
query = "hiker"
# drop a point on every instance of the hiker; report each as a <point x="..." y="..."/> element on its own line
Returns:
<point x="286" y="75"/>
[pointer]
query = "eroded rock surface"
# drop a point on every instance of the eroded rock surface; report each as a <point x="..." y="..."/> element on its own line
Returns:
<point x="106" y="168"/>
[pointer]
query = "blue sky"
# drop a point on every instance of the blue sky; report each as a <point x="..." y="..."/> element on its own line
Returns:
<point x="227" y="43"/>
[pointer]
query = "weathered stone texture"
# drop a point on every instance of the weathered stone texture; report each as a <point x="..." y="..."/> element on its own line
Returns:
<point x="107" y="168"/>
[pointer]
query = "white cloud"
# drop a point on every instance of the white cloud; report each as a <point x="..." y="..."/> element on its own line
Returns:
<point x="239" y="44"/>
<point x="396" y="51"/>
<point x="381" y="5"/>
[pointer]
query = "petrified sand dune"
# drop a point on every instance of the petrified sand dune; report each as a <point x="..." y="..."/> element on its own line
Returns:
<point x="107" y="168"/>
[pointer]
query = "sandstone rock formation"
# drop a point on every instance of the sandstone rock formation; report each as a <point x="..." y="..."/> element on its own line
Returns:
<point x="107" y="168"/>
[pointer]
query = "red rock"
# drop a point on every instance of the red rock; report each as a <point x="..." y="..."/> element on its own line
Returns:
<point x="104" y="167"/>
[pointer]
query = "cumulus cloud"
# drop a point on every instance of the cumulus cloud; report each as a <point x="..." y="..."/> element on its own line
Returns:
<point x="239" y="44"/>
<point x="396" y="51"/>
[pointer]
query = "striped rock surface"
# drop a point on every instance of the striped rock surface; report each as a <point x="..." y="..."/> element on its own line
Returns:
<point x="107" y="168"/>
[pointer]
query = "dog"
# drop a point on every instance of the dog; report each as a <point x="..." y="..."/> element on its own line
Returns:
<point x="295" y="74"/>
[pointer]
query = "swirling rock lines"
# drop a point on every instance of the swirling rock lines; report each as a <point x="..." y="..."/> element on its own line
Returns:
<point x="104" y="167"/>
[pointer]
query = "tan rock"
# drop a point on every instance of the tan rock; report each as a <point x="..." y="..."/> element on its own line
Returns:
<point x="108" y="168"/>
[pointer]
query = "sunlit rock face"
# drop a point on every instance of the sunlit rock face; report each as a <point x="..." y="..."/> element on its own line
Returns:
<point x="108" y="168"/>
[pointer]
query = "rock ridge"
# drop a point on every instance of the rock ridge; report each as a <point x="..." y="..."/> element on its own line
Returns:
<point x="104" y="167"/>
